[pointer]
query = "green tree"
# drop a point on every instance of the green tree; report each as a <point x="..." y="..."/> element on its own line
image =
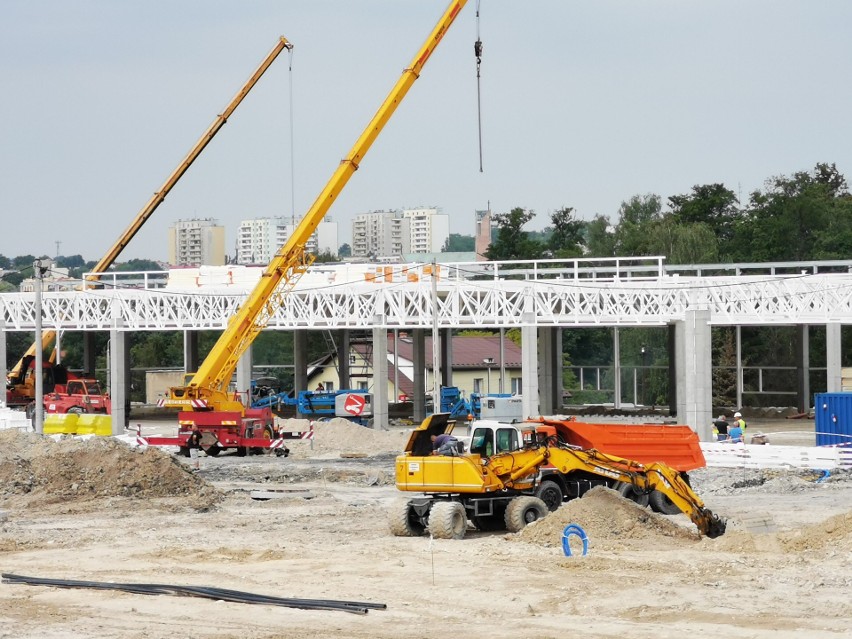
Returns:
<point x="636" y="217"/>
<point x="710" y="204"/>
<point x="566" y="238"/>
<point x="511" y="241"/>
<point x="692" y="243"/>
<point x="345" y="250"/>
<point x="600" y="239"/>
<point x="459" y="244"/>
<point x="795" y="218"/>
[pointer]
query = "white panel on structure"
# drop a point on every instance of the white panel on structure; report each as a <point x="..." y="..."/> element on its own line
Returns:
<point x="244" y="377"/>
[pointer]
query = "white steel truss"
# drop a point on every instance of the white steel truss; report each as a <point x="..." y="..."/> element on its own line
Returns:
<point x="468" y="295"/>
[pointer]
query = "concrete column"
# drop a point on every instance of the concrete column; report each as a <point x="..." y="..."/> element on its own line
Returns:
<point x="300" y="362"/>
<point x="616" y="368"/>
<point x="739" y="339"/>
<point x="3" y="369"/>
<point x="550" y="369"/>
<point x="694" y="373"/>
<point x="119" y="372"/>
<point x="832" y="358"/>
<point x="418" y="347"/>
<point x="190" y="351"/>
<point x="90" y="357"/>
<point x="343" y="359"/>
<point x="446" y="357"/>
<point x="671" y="350"/>
<point x="244" y="377"/>
<point x="380" y="373"/>
<point x="803" y="368"/>
<point x="529" y="367"/>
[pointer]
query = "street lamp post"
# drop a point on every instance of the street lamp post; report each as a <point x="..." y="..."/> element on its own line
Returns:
<point x="489" y="362"/>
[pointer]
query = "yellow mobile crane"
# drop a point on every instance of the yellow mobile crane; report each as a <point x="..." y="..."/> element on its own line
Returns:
<point x="225" y="422"/>
<point x="20" y="385"/>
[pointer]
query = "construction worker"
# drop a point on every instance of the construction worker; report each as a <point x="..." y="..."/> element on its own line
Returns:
<point x="739" y="421"/>
<point x="720" y="428"/>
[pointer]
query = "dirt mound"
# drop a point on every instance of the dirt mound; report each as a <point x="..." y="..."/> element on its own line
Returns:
<point x="341" y="436"/>
<point x="38" y="469"/>
<point x="835" y="533"/>
<point x="610" y="521"/>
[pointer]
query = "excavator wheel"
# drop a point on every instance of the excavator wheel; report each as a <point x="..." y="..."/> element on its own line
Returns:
<point x="524" y="510"/>
<point x="631" y="492"/>
<point x="550" y="493"/>
<point x="404" y="522"/>
<point x="662" y="504"/>
<point x="447" y="520"/>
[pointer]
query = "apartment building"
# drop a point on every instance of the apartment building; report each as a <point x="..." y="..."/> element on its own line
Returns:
<point x="259" y="239"/>
<point x="380" y="234"/>
<point x="388" y="234"/>
<point x="197" y="242"/>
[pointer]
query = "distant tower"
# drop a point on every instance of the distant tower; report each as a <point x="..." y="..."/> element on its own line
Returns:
<point x="482" y="239"/>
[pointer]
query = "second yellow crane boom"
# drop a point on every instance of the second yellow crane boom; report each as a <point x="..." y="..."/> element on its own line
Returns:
<point x="208" y="389"/>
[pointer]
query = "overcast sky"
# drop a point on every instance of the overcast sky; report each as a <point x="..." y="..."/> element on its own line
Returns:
<point x="584" y="104"/>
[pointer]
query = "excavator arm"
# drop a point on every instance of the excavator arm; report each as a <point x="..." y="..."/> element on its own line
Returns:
<point x="509" y="470"/>
<point x="208" y="388"/>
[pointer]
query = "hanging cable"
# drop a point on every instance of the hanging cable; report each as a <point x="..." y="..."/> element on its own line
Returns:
<point x="292" y="145"/>
<point x="477" y="50"/>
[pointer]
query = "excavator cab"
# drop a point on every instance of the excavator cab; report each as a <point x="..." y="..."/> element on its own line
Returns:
<point x="420" y="442"/>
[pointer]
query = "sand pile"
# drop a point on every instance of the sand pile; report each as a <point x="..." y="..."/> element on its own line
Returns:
<point x="834" y="534"/>
<point x="610" y="521"/>
<point x="38" y="469"/>
<point x="341" y="436"/>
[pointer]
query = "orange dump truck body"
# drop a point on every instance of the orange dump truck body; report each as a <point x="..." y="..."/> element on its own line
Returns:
<point x="677" y="446"/>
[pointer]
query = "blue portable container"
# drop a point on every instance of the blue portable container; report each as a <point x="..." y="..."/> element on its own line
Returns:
<point x="833" y="419"/>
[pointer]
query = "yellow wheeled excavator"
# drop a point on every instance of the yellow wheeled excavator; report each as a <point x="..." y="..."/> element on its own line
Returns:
<point x="508" y="490"/>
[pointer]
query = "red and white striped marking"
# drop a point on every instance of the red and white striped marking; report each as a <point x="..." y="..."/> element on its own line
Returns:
<point x="195" y="403"/>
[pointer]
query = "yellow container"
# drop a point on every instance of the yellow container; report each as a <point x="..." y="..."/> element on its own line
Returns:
<point x="60" y="424"/>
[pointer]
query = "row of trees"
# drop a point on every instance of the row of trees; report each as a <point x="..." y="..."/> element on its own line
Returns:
<point x="806" y="216"/>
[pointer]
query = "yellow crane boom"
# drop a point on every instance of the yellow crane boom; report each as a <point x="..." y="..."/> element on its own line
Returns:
<point x="109" y="258"/>
<point x="208" y="388"/>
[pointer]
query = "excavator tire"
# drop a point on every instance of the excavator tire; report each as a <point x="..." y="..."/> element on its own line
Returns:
<point x="629" y="491"/>
<point x="447" y="520"/>
<point x="524" y="510"/>
<point x="402" y="521"/>
<point x="550" y="493"/>
<point x="662" y="504"/>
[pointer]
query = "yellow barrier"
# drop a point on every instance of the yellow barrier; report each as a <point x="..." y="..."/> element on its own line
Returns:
<point x="92" y="424"/>
<point x="73" y="424"/>
<point x="60" y="424"/>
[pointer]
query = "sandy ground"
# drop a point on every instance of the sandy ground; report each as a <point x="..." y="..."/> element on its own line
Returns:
<point x="101" y="512"/>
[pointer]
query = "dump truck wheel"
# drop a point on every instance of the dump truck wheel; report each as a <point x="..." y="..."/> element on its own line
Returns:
<point x="522" y="511"/>
<point x="662" y="504"/>
<point x="403" y="522"/>
<point x="447" y="520"/>
<point x="550" y="493"/>
<point x="213" y="451"/>
<point x="633" y="493"/>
